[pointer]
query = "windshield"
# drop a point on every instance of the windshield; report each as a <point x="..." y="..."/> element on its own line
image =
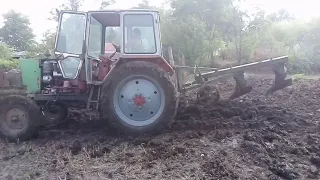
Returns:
<point x="139" y="34"/>
<point x="71" y="33"/>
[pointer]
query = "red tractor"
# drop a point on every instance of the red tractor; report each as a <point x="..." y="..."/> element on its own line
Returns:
<point x="111" y="62"/>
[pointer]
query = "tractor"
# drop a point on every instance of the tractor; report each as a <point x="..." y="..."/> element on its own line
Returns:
<point x="112" y="62"/>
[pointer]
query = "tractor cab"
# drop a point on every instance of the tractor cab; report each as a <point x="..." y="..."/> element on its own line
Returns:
<point x="89" y="43"/>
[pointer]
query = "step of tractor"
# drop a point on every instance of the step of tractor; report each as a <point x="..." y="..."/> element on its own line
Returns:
<point x="95" y="102"/>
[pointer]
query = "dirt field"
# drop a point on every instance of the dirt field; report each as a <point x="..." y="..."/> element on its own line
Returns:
<point x="248" y="138"/>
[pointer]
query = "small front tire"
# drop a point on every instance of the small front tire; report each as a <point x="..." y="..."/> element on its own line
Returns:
<point x="19" y="118"/>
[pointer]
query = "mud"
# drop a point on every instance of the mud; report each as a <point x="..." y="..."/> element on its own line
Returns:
<point x="252" y="137"/>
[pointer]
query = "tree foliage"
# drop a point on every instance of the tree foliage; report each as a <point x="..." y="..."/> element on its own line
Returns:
<point x="47" y="42"/>
<point x="220" y="32"/>
<point x="5" y="51"/>
<point x="16" y="31"/>
<point x="211" y="31"/>
<point x="72" y="5"/>
<point x="106" y="3"/>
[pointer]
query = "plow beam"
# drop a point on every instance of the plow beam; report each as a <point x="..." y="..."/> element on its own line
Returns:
<point x="236" y="69"/>
<point x="242" y="86"/>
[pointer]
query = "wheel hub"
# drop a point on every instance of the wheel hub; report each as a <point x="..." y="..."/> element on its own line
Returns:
<point x="16" y="119"/>
<point x="139" y="100"/>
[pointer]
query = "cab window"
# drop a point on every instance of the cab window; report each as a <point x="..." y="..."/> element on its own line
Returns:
<point x="139" y="34"/>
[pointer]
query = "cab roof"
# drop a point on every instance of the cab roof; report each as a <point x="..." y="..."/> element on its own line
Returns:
<point x="126" y="10"/>
<point x="114" y="10"/>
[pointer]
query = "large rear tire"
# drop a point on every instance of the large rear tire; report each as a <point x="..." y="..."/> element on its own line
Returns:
<point x="138" y="98"/>
<point x="19" y="118"/>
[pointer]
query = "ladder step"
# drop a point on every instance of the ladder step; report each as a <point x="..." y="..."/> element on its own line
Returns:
<point x="92" y="102"/>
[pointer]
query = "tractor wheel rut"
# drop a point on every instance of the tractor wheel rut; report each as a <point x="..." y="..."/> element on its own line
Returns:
<point x="252" y="137"/>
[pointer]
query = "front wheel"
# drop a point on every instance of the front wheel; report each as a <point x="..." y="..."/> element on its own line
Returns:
<point x="139" y="98"/>
<point x="19" y="118"/>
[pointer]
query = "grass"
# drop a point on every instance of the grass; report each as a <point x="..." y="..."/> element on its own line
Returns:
<point x="297" y="77"/>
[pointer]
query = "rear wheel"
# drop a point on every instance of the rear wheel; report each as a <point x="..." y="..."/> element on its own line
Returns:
<point x="19" y="118"/>
<point x="139" y="98"/>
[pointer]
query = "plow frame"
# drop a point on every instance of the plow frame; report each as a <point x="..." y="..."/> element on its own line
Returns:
<point x="278" y="65"/>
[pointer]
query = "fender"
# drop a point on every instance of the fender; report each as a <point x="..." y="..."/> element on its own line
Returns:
<point x="158" y="60"/>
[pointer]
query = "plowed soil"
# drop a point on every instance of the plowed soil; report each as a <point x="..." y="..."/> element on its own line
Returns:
<point x="252" y="137"/>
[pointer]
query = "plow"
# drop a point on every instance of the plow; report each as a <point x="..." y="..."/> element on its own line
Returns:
<point x="128" y="82"/>
<point x="203" y="81"/>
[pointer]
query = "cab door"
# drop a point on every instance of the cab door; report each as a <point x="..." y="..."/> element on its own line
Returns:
<point x="69" y="42"/>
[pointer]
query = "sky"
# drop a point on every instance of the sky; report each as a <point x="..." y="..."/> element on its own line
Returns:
<point x="38" y="10"/>
<point x="303" y="9"/>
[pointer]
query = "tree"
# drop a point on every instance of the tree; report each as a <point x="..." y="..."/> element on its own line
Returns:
<point x="106" y="3"/>
<point x="72" y="5"/>
<point x="5" y="52"/>
<point x="16" y="31"/>
<point x="47" y="42"/>
<point x="281" y="15"/>
<point x="189" y="39"/>
<point x="144" y="4"/>
<point x="213" y="32"/>
<point x="196" y="29"/>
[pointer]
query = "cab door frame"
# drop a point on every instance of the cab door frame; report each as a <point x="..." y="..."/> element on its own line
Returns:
<point x="64" y="54"/>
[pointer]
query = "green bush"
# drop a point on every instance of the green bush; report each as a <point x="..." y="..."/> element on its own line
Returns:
<point x="5" y="51"/>
<point x="297" y="77"/>
<point x="8" y="64"/>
